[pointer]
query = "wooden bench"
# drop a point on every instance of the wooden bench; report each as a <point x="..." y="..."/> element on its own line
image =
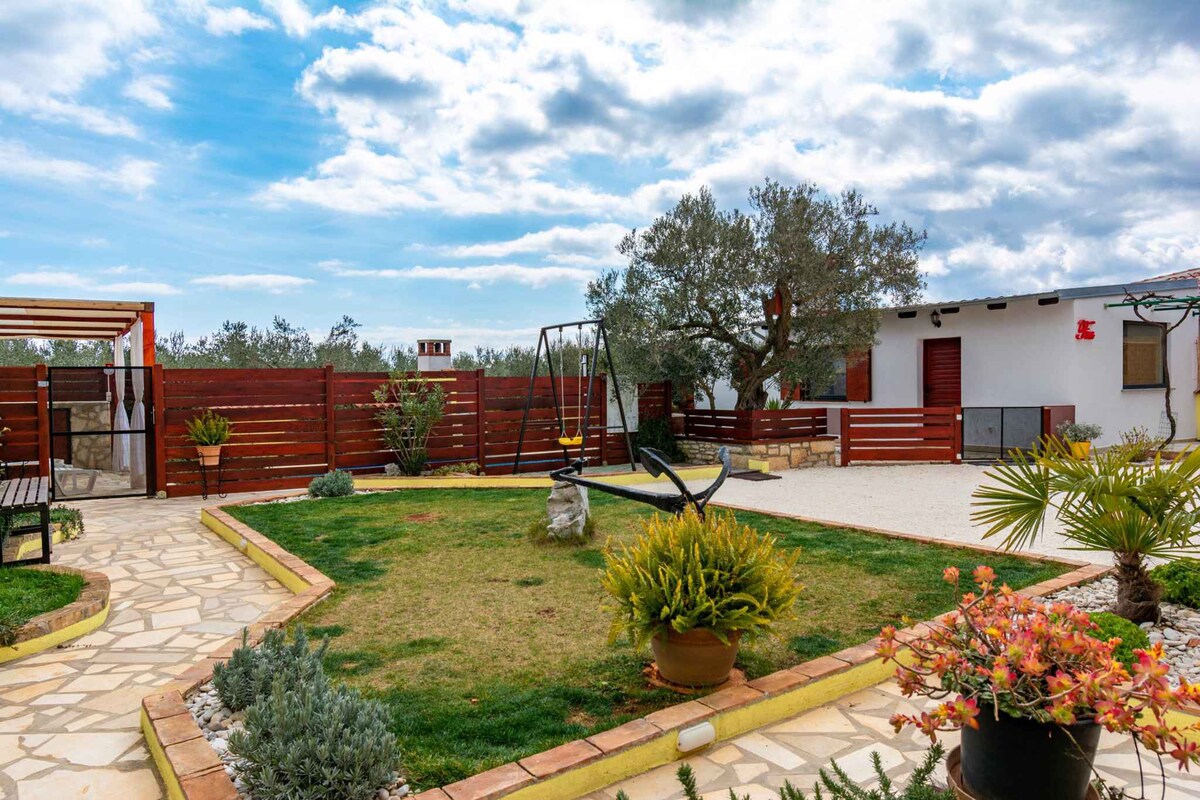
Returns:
<point x="25" y="495"/>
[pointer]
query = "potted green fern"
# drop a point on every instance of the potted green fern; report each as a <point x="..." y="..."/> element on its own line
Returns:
<point x="693" y="587"/>
<point x="209" y="432"/>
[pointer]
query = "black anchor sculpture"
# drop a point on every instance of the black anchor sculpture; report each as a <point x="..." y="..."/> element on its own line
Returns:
<point x="656" y="464"/>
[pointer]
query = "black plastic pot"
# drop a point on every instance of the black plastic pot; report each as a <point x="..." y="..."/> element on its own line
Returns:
<point x="1019" y="759"/>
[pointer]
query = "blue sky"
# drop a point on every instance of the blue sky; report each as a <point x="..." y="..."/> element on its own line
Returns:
<point x="462" y="168"/>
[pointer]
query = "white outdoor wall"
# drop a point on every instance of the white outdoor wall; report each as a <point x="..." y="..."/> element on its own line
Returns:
<point x="1027" y="355"/>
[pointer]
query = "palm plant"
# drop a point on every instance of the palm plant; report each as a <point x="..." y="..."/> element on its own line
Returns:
<point x="1135" y="512"/>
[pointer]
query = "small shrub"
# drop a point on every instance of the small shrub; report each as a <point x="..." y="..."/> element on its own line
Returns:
<point x="1132" y="637"/>
<point x="308" y="740"/>
<point x="332" y="484"/>
<point x="209" y="429"/>
<point x="657" y="433"/>
<point x="1180" y="580"/>
<point x="1138" y="445"/>
<point x="1079" y="431"/>
<point x="467" y="468"/>
<point x="408" y="408"/>
<point x="248" y="674"/>
<point x="778" y="404"/>
<point x="70" y="520"/>
<point x="687" y="572"/>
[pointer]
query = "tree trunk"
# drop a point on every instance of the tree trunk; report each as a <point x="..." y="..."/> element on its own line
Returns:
<point x="1137" y="594"/>
<point x="750" y="397"/>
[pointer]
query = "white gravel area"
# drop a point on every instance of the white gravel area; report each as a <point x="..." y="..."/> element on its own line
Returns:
<point x="924" y="499"/>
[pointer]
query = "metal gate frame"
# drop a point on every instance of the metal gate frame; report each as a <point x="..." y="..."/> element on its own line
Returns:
<point x="147" y="434"/>
<point x="1003" y="454"/>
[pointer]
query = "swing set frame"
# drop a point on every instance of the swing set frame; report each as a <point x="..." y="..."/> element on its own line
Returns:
<point x="600" y="332"/>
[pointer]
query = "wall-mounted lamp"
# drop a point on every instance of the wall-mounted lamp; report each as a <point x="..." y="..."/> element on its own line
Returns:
<point x="935" y="318"/>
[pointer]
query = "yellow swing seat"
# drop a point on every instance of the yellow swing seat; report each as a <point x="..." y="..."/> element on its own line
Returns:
<point x="570" y="441"/>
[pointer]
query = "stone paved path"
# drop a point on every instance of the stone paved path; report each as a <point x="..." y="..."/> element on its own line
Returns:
<point x="848" y="730"/>
<point x="69" y="717"/>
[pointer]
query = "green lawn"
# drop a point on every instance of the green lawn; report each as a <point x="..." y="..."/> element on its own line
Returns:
<point x="489" y="648"/>
<point x="25" y="593"/>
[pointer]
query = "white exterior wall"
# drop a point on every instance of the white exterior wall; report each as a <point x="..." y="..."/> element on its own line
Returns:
<point x="1027" y="355"/>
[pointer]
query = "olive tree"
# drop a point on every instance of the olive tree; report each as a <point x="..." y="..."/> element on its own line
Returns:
<point x="784" y="291"/>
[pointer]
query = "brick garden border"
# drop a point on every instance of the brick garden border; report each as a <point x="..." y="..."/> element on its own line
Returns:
<point x="84" y="615"/>
<point x="191" y="770"/>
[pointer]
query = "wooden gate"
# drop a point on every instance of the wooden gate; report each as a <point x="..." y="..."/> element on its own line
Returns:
<point x="902" y="434"/>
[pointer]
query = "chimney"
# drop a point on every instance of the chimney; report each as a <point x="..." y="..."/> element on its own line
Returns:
<point x="433" y="355"/>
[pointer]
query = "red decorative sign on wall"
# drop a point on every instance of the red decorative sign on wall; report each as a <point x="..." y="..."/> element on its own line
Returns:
<point x="1084" y="329"/>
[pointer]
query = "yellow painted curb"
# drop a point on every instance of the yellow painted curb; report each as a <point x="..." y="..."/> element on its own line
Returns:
<point x="521" y="481"/>
<point x="604" y="771"/>
<point x="25" y="548"/>
<point x="161" y="763"/>
<point x="294" y="583"/>
<point x="31" y="646"/>
<point x="759" y="466"/>
<point x="658" y="752"/>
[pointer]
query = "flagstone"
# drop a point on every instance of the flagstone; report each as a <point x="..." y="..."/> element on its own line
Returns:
<point x="19" y="770"/>
<point x="138" y="784"/>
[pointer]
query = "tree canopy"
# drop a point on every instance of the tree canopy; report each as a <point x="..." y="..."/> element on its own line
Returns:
<point x="785" y="291"/>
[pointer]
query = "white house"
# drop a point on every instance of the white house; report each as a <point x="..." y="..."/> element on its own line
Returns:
<point x="1002" y="357"/>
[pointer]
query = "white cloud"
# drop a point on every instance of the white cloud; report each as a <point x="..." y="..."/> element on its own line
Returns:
<point x="151" y="91"/>
<point x="60" y="280"/>
<point x="133" y="176"/>
<point x="598" y="240"/>
<point x="234" y="21"/>
<point x="297" y="20"/>
<point x="54" y="50"/>
<point x="95" y="241"/>
<point x="267" y="282"/>
<point x="464" y="337"/>
<point x="535" y="277"/>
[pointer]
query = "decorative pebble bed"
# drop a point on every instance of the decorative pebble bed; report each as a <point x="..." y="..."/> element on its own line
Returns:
<point x="1179" y="629"/>
<point x="217" y="722"/>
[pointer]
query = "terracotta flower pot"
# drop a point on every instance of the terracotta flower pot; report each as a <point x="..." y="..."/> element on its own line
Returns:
<point x="210" y="455"/>
<point x="695" y="658"/>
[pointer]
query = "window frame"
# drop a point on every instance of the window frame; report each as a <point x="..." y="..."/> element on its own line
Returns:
<point x="1162" y="329"/>
<point x="834" y="398"/>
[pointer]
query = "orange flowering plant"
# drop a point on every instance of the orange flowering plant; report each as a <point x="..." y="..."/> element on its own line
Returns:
<point x="1008" y="653"/>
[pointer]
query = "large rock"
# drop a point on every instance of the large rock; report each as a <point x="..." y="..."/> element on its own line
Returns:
<point x="567" y="508"/>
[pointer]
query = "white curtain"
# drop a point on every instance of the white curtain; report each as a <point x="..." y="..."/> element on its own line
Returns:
<point x="137" y="422"/>
<point x="120" y="442"/>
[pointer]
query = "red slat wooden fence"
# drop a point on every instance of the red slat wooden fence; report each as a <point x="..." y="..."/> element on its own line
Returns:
<point x="654" y="400"/>
<point x="290" y="425"/>
<point x="751" y="426"/>
<point x="902" y="434"/>
<point x="21" y="412"/>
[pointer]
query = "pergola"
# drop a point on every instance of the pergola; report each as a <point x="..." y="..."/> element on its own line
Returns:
<point x="39" y="318"/>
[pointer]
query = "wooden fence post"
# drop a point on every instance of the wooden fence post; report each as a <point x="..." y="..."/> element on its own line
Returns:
<point x="602" y="387"/>
<point x="42" y="374"/>
<point x="480" y="420"/>
<point x="330" y="419"/>
<point x="958" y="435"/>
<point x="158" y="395"/>
<point x="845" y="435"/>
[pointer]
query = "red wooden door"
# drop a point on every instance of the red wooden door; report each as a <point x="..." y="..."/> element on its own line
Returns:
<point x="943" y="372"/>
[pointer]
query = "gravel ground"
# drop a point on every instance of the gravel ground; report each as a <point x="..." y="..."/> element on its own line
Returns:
<point x="1178" y="630"/>
<point x="925" y="499"/>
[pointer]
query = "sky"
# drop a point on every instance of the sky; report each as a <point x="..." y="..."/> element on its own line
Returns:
<point x="462" y="168"/>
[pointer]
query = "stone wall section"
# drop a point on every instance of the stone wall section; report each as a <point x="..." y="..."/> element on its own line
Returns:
<point x="820" y="451"/>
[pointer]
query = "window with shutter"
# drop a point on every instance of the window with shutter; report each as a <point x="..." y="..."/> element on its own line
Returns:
<point x="1144" y="355"/>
